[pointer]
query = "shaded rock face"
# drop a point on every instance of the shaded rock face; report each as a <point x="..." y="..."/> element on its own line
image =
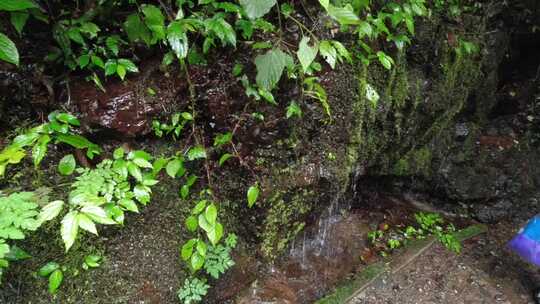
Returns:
<point x="494" y="167"/>
<point x="129" y="107"/>
<point x="23" y="91"/>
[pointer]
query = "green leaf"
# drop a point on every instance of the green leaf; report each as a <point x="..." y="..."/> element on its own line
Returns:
<point x="211" y="214"/>
<point x="199" y="207"/>
<point x="328" y="52"/>
<point x="139" y="154"/>
<point x="222" y="139"/>
<point x="98" y="215"/>
<point x="154" y="19"/>
<point x="191" y="223"/>
<point x="158" y="165"/>
<point x="197" y="261"/>
<point x="342" y="51"/>
<point x="344" y="15"/>
<point x="79" y="142"/>
<point x="306" y="53"/>
<point x="178" y="39"/>
<point x="385" y="60"/>
<point x="90" y="28"/>
<point x="204" y="224"/>
<point x="136" y="30"/>
<point x="121" y="71"/>
<point x="142" y="193"/>
<point x="134" y="171"/>
<point x="129" y="204"/>
<point x="175" y="167"/>
<point x="294" y="110"/>
<point x="201" y="248"/>
<point x="86" y="223"/>
<point x="215" y="234"/>
<point x="110" y="67"/>
<point x="224" y="158"/>
<point x="40" y="149"/>
<point x="16" y="254"/>
<point x="68" y="118"/>
<point x="48" y="268"/>
<point x="16" y="5"/>
<point x="118" y="153"/>
<point x="184" y="191"/>
<point x="270" y="67"/>
<point x="69" y="229"/>
<point x="364" y="29"/>
<point x="8" y="50"/>
<point x="92" y="260"/>
<point x="128" y="65"/>
<point x="142" y="163"/>
<point x="67" y="165"/>
<point x="55" y="280"/>
<point x="18" y="20"/>
<point x="252" y="195"/>
<point x="187" y="249"/>
<point x="75" y="35"/>
<point x="196" y="152"/>
<point x="267" y="96"/>
<point x="112" y="44"/>
<point x="50" y="211"/>
<point x="257" y="8"/>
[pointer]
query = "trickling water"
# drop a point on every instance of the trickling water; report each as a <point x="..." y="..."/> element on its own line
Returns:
<point x="317" y="259"/>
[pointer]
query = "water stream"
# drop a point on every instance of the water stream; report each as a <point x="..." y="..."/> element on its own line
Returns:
<point x="321" y="256"/>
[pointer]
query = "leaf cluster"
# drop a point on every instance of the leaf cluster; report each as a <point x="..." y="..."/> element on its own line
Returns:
<point x="59" y="129"/>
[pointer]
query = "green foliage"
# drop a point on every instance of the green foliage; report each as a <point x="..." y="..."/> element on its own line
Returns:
<point x="91" y="261"/>
<point x="177" y="124"/>
<point x="257" y="8"/>
<point x="19" y="12"/>
<point x="102" y="195"/>
<point x="18" y="213"/>
<point x="426" y="224"/>
<point x="58" y="129"/>
<point x="218" y="258"/>
<point x="193" y="290"/>
<point x="294" y="110"/>
<point x="54" y="273"/>
<point x="270" y="66"/>
<point x="205" y="251"/>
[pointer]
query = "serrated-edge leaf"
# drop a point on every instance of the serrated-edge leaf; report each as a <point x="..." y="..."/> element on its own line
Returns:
<point x="270" y="67"/>
<point x="86" y="223"/>
<point x="306" y="53"/>
<point x="50" y="211"/>
<point x="257" y="8"/>
<point x="69" y="229"/>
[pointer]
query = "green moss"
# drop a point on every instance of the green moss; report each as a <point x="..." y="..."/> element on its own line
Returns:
<point x="283" y="220"/>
